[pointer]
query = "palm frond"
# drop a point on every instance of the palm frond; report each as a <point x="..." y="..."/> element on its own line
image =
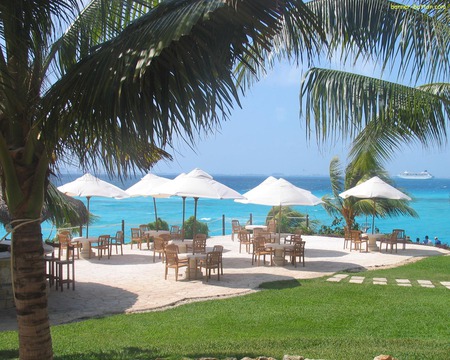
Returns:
<point x="341" y="103"/>
<point x="413" y="36"/>
<point x="167" y="73"/>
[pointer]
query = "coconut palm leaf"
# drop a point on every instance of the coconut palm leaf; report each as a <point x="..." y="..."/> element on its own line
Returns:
<point x="178" y="59"/>
<point x="341" y="103"/>
<point x="412" y="36"/>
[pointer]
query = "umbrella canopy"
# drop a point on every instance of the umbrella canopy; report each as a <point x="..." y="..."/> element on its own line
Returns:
<point x="88" y="186"/>
<point x="374" y="188"/>
<point x="279" y="193"/>
<point x="273" y="192"/>
<point x="146" y="187"/>
<point x="196" y="184"/>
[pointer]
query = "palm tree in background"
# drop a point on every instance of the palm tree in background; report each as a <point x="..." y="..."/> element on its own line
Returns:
<point x="354" y="174"/>
<point x="109" y="86"/>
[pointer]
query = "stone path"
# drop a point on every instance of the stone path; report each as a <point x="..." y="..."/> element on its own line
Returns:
<point x="384" y="281"/>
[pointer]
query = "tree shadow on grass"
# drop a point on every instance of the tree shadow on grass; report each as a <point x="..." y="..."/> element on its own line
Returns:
<point x="280" y="284"/>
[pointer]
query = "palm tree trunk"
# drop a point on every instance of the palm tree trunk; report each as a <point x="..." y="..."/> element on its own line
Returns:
<point x="30" y="291"/>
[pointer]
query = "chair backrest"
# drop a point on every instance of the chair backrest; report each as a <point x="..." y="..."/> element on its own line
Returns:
<point x="296" y="238"/>
<point x="235" y="225"/>
<point x="63" y="239"/>
<point x="394" y="236"/>
<point x="171" y="257"/>
<point x="199" y="243"/>
<point x="347" y="234"/>
<point x="213" y="258"/>
<point x="70" y="253"/>
<point x="135" y="233"/>
<point x="299" y="247"/>
<point x="159" y="244"/>
<point x="259" y="243"/>
<point x="171" y="248"/>
<point x="218" y="248"/>
<point x="400" y="234"/>
<point x="119" y="236"/>
<point x="355" y="234"/>
<point x="103" y="240"/>
<point x="174" y="229"/>
<point x="244" y="236"/>
<point x="142" y="229"/>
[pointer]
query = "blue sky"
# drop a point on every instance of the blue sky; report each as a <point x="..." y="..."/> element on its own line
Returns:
<point x="267" y="136"/>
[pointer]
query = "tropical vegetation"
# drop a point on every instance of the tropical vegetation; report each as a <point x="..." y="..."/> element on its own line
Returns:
<point x="111" y="85"/>
<point x="200" y="228"/>
<point x="289" y="220"/>
<point x="313" y="318"/>
<point x="352" y="207"/>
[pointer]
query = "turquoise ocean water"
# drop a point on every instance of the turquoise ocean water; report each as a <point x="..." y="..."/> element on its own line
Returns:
<point x="431" y="199"/>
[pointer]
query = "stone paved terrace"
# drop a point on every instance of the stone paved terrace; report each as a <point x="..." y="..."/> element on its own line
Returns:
<point x="133" y="283"/>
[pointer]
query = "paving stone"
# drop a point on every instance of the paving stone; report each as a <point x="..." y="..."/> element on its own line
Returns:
<point x="446" y="284"/>
<point x="380" y="279"/>
<point x="379" y="282"/>
<point x="426" y="283"/>
<point x="357" y="279"/>
<point x="337" y="277"/>
<point x="403" y="281"/>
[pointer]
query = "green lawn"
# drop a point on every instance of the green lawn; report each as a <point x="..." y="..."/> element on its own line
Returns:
<point x="313" y="318"/>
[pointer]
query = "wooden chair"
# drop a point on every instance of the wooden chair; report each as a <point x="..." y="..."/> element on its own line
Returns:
<point x="50" y="262"/>
<point x="259" y="249"/>
<point x="219" y="248"/>
<point x="159" y="246"/>
<point x="65" y="238"/>
<point x="136" y="238"/>
<point x="244" y="239"/>
<point x="391" y="240"/>
<point x="357" y="240"/>
<point x="198" y="244"/>
<point x="101" y="245"/>
<point x="212" y="262"/>
<point x="267" y="235"/>
<point x="347" y="238"/>
<point x="297" y="252"/>
<point x="294" y="238"/>
<point x="173" y="261"/>
<point x="235" y="228"/>
<point x="145" y="237"/>
<point x="401" y="237"/>
<point x="65" y="269"/>
<point x="116" y="241"/>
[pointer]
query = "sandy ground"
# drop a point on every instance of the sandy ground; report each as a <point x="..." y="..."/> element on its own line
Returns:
<point x="134" y="283"/>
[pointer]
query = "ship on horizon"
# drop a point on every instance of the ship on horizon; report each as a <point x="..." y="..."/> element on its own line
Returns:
<point x="423" y="175"/>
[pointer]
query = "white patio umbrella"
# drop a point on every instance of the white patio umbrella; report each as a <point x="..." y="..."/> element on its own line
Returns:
<point x="279" y="193"/>
<point x="196" y="184"/>
<point x="146" y="187"/>
<point x="89" y="186"/>
<point x="374" y="188"/>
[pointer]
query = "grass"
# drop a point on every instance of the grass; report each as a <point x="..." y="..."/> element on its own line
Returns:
<point x="313" y="318"/>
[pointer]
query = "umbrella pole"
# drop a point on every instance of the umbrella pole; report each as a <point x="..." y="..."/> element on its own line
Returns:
<point x="195" y="217"/>
<point x="279" y="225"/>
<point x="373" y="218"/>
<point x="184" y="209"/>
<point x="156" y="214"/>
<point x="89" y="213"/>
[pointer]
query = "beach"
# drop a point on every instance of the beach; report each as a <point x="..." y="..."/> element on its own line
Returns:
<point x="134" y="283"/>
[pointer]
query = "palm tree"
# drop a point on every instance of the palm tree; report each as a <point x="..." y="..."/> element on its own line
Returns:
<point x="109" y="86"/>
<point x="383" y="116"/>
<point x="355" y="173"/>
